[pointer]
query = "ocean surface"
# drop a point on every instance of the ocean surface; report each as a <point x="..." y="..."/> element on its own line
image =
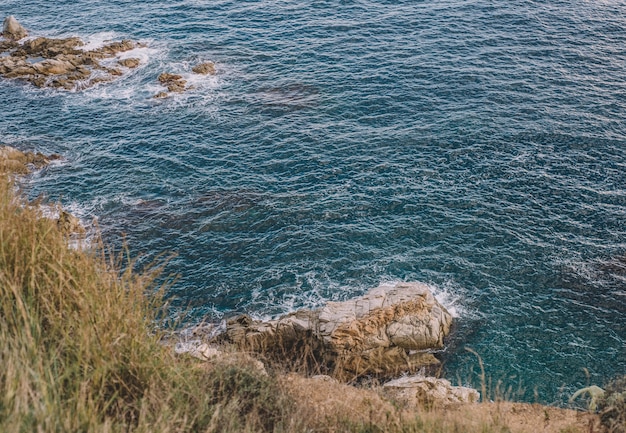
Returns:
<point x="478" y="146"/>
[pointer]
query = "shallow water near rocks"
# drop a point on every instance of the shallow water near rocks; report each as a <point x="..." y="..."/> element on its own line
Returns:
<point x="475" y="146"/>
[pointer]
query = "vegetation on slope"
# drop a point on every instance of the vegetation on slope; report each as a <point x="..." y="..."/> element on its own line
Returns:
<point x="79" y="349"/>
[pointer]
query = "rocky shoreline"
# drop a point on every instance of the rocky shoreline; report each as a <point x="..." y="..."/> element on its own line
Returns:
<point x="59" y="63"/>
<point x="391" y="332"/>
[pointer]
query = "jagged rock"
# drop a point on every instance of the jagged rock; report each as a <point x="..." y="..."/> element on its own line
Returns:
<point x="207" y="68"/>
<point x="18" y="70"/>
<point x="198" y="350"/>
<point x="6" y="45"/>
<point x="115" y="47"/>
<point x="428" y="391"/>
<point x="69" y="224"/>
<point x="161" y="95"/>
<point x="50" y="48"/>
<point x="129" y="63"/>
<point x="166" y="77"/>
<point x="15" y="161"/>
<point x="213" y="354"/>
<point x="13" y="30"/>
<point x="387" y="331"/>
<point x="54" y="67"/>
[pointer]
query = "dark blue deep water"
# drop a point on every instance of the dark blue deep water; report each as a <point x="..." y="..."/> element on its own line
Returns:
<point x="475" y="145"/>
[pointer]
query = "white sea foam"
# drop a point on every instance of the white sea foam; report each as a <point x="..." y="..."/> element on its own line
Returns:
<point x="98" y="40"/>
<point x="144" y="54"/>
<point x="447" y="294"/>
<point x="451" y="301"/>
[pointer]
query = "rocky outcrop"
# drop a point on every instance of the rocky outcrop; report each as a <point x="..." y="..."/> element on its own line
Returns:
<point x="418" y="390"/>
<point x="60" y="63"/>
<point x="13" y="30"/>
<point x="391" y="329"/>
<point x="14" y="161"/>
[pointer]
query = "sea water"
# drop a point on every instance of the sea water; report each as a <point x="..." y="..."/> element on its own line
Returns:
<point x="478" y="146"/>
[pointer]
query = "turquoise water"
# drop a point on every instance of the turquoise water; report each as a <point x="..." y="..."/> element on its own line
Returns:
<point x="474" y="145"/>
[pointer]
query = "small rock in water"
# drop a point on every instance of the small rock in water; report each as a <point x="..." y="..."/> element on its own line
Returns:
<point x="173" y="82"/>
<point x="166" y="78"/>
<point x="207" y="68"/>
<point x="13" y="30"/>
<point x="69" y="224"/>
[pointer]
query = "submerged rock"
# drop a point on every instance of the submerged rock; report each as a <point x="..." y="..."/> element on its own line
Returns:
<point x="13" y="30"/>
<point x="387" y="331"/>
<point x="429" y="391"/>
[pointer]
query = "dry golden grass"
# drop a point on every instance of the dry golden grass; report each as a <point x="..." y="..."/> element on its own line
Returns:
<point x="328" y="406"/>
<point x="79" y="345"/>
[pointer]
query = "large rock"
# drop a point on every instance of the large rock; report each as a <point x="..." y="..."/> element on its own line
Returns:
<point x="389" y="330"/>
<point x="49" y="48"/>
<point x="428" y="391"/>
<point x="13" y="30"/>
